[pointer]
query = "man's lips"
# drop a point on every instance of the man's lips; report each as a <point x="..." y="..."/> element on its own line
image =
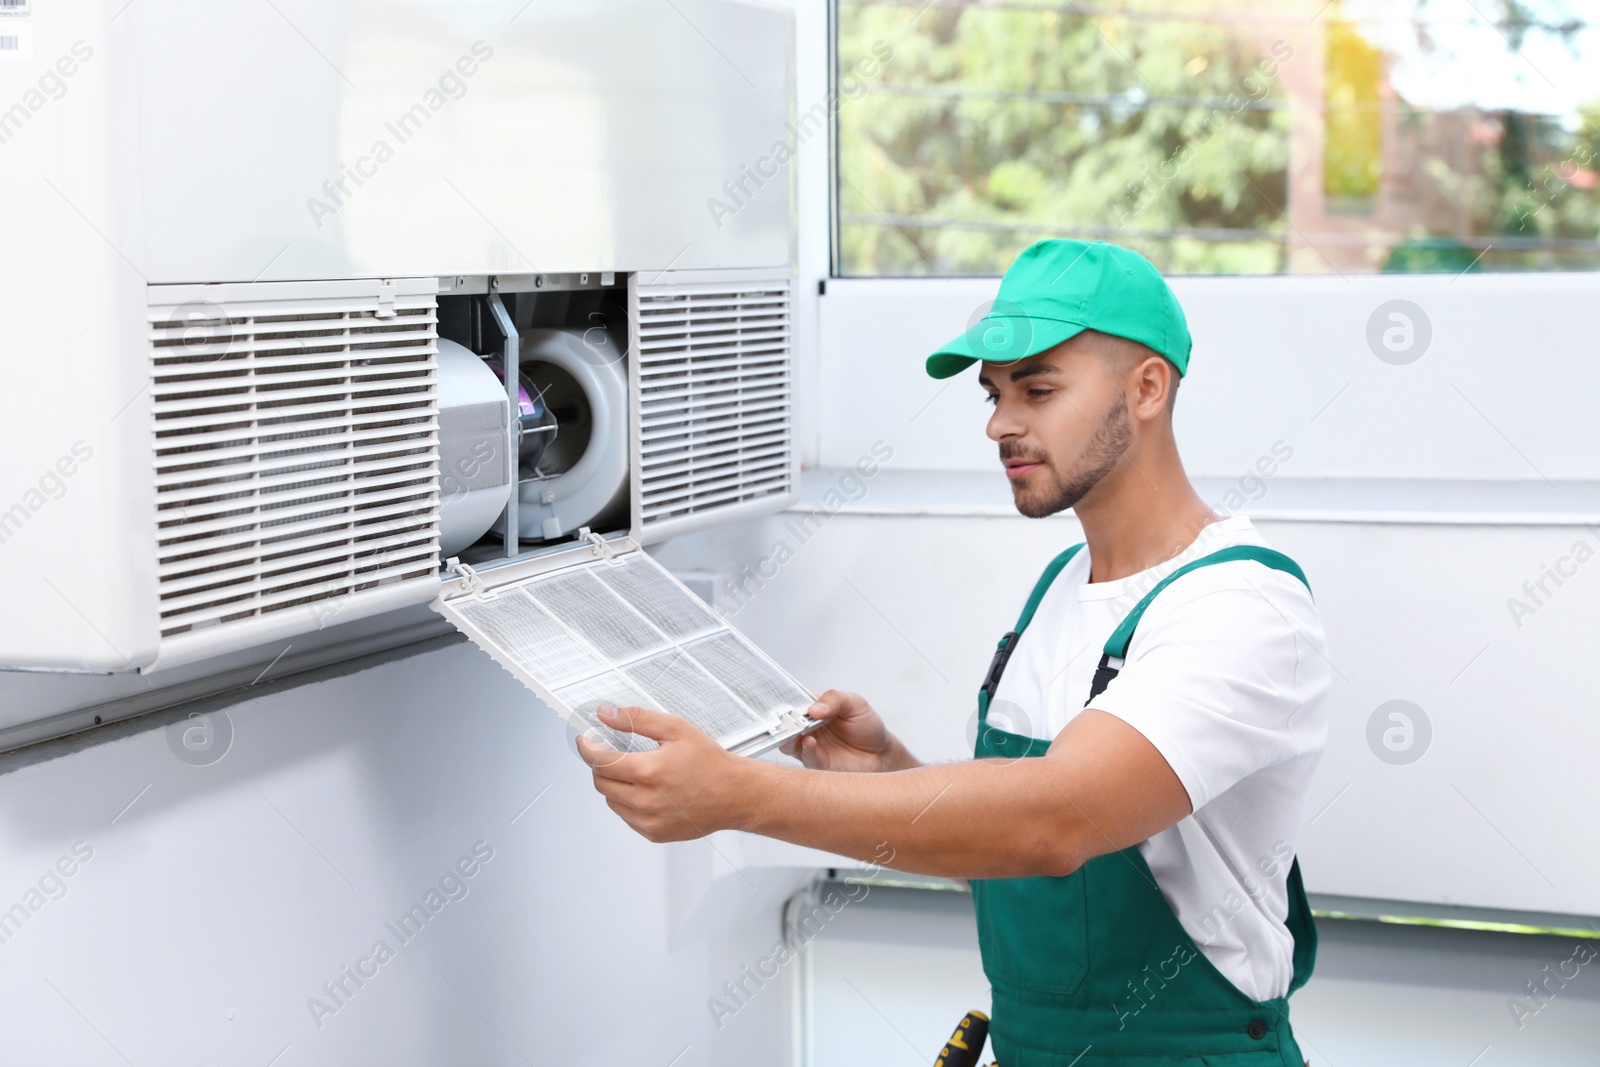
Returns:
<point x="1021" y="468"/>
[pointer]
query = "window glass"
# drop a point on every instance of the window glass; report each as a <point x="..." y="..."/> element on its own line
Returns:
<point x="1220" y="136"/>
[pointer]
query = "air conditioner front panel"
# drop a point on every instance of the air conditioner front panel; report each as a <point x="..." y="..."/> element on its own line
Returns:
<point x="712" y="375"/>
<point x="77" y="571"/>
<point x="352" y="138"/>
<point x="294" y="455"/>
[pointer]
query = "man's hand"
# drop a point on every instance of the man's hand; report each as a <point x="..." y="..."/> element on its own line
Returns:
<point x="1102" y="786"/>
<point x="688" y="787"/>
<point x="853" y="739"/>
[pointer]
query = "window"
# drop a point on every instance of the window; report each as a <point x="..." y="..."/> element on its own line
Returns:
<point x="1219" y="136"/>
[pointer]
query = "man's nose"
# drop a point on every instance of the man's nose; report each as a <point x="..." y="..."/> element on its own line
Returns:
<point x="1002" y="423"/>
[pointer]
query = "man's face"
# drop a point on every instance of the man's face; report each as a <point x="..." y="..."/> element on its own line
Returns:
<point x="1061" y="421"/>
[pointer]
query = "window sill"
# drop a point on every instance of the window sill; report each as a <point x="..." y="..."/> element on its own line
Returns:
<point x="908" y="493"/>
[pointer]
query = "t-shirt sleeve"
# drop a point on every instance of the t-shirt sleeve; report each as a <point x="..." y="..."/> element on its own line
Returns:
<point x="1218" y="668"/>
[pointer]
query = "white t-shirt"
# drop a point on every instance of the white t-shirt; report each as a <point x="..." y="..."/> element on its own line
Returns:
<point x="1228" y="677"/>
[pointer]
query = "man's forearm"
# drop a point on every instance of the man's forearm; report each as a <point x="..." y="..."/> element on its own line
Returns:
<point x="973" y="819"/>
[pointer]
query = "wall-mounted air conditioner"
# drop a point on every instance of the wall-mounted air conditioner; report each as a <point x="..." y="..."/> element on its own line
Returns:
<point x="275" y="379"/>
<point x="314" y="443"/>
<point x="319" y="449"/>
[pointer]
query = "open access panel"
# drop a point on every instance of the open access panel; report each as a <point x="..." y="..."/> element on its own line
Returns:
<point x="606" y="624"/>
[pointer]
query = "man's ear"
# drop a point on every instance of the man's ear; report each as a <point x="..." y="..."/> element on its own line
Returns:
<point x="1152" y="382"/>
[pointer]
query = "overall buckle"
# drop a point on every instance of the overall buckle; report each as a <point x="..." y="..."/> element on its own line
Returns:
<point x="1103" y="675"/>
<point x="997" y="665"/>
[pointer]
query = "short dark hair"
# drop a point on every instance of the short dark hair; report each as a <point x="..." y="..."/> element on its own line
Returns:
<point x="1123" y="354"/>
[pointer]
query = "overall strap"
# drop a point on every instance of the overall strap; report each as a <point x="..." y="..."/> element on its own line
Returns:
<point x="1122" y="636"/>
<point x="997" y="666"/>
<point x="1303" y="927"/>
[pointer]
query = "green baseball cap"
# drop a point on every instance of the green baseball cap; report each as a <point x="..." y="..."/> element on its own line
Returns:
<point x="1057" y="289"/>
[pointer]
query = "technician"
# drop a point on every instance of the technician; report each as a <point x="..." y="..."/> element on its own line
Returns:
<point x="1146" y="733"/>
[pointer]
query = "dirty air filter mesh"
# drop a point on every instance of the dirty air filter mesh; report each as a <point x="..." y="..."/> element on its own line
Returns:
<point x="623" y="631"/>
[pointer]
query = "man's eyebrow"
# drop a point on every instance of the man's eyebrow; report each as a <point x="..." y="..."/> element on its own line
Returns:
<point x="1034" y="369"/>
<point x="1022" y="372"/>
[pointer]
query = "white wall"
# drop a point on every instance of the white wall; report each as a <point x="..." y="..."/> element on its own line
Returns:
<point x="217" y="899"/>
<point x="895" y="971"/>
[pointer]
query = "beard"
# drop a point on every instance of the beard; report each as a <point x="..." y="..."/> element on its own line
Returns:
<point x="1057" y="493"/>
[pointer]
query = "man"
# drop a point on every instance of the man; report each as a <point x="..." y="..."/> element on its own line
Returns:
<point x="1147" y="732"/>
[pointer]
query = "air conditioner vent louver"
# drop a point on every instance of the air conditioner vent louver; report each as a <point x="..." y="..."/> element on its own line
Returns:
<point x="295" y="448"/>
<point x="715" y="419"/>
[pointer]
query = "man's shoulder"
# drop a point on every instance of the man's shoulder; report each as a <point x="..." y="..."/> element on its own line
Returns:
<point x="1244" y="593"/>
<point x="1247" y="571"/>
<point x="1249" y="578"/>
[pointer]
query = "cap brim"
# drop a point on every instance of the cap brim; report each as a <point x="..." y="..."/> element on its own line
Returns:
<point x="1000" y="339"/>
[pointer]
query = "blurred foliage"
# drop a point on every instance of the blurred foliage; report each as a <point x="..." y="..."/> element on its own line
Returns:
<point x="1050" y="131"/>
<point x="995" y="125"/>
<point x="1540" y="185"/>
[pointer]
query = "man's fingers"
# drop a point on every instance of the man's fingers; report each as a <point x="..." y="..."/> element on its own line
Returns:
<point x="828" y="704"/>
<point x="625" y="813"/>
<point x="836" y="703"/>
<point x="607" y="761"/>
<point x="656" y="725"/>
<point x="802" y="747"/>
<point x="626" y="793"/>
<point x="595" y="749"/>
<point x="644" y="817"/>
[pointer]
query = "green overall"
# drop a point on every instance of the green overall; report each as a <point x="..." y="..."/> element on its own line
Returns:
<point x="1094" y="967"/>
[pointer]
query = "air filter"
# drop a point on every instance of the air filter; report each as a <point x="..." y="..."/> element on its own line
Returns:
<point x="609" y="625"/>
